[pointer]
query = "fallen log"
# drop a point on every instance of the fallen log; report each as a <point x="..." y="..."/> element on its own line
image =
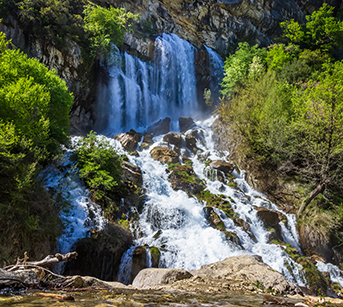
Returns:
<point x="47" y="261"/>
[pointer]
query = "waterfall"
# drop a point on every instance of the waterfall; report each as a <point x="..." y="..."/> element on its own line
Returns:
<point x="139" y="93"/>
<point x="185" y="238"/>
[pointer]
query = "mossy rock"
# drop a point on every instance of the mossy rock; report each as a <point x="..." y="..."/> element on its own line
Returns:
<point x="155" y="256"/>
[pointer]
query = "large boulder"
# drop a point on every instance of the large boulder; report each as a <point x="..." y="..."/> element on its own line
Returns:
<point x="161" y="127"/>
<point x="164" y="155"/>
<point x="173" y="138"/>
<point x="185" y="123"/>
<point x="100" y="254"/>
<point x="129" y="140"/>
<point x="249" y="269"/>
<point x="225" y="167"/>
<point x="183" y="178"/>
<point x="153" y="277"/>
<point x="132" y="173"/>
<point x="138" y="261"/>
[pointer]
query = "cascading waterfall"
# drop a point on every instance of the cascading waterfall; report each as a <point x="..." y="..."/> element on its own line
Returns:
<point x="140" y="93"/>
<point x="185" y="238"/>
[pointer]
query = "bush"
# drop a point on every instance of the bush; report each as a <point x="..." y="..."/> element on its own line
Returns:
<point x="100" y="166"/>
<point x="106" y="27"/>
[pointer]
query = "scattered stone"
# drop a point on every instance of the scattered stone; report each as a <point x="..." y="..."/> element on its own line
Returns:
<point x="161" y="127"/>
<point x="164" y="155"/>
<point x="185" y="123"/>
<point x="153" y="277"/>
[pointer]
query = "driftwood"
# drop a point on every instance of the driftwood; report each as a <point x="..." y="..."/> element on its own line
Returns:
<point x="22" y="264"/>
<point x="33" y="274"/>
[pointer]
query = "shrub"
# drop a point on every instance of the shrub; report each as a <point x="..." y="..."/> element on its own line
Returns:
<point x="99" y="164"/>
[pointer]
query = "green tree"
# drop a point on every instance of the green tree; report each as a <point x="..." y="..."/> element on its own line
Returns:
<point x="316" y="150"/>
<point x="34" y="98"/>
<point x="236" y="68"/>
<point x="106" y="27"/>
<point x="321" y="30"/>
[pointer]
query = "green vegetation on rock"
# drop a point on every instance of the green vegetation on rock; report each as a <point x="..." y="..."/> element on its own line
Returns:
<point x="100" y="167"/>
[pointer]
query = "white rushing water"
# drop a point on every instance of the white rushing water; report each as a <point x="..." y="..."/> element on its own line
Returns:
<point x="78" y="213"/>
<point x="186" y="239"/>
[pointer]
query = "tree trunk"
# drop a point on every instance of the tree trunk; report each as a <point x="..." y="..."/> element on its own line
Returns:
<point x="319" y="189"/>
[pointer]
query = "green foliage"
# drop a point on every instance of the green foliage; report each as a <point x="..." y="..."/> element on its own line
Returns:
<point x="34" y="106"/>
<point x="52" y="18"/>
<point x="99" y="164"/>
<point x="321" y="31"/>
<point x="34" y="98"/>
<point x="106" y="27"/>
<point x="237" y="67"/>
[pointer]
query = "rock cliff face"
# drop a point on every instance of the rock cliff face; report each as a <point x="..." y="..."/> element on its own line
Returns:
<point x="215" y="23"/>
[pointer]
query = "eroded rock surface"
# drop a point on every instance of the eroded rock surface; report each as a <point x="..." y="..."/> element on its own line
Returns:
<point x="164" y="155"/>
<point x="152" y="278"/>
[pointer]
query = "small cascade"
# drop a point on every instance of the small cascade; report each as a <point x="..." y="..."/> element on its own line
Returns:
<point x="216" y="72"/>
<point x="139" y="93"/>
<point x="336" y="275"/>
<point x="78" y="213"/>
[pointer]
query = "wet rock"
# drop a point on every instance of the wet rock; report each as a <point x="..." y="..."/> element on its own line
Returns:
<point x="164" y="155"/>
<point x="246" y="227"/>
<point x="185" y="123"/>
<point x="183" y="178"/>
<point x="173" y="138"/>
<point x="153" y="277"/>
<point x="147" y="141"/>
<point x="129" y="140"/>
<point x="271" y="219"/>
<point x="138" y="261"/>
<point x="132" y="173"/>
<point x="78" y="281"/>
<point x="217" y="223"/>
<point x="225" y="167"/>
<point x="191" y="143"/>
<point x="198" y="134"/>
<point x="100" y="255"/>
<point x="314" y="241"/>
<point x="249" y="269"/>
<point x="161" y="127"/>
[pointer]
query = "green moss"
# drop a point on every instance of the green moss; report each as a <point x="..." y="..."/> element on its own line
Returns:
<point x="155" y="256"/>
